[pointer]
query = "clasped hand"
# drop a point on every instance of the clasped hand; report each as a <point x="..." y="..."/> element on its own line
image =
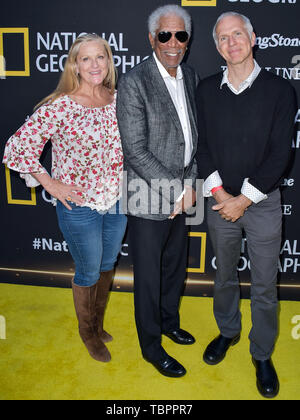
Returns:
<point x="233" y="207"/>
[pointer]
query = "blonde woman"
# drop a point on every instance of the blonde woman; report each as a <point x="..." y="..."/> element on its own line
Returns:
<point x="79" y="118"/>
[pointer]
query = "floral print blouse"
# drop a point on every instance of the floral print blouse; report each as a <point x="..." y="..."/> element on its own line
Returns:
<point x="86" y="149"/>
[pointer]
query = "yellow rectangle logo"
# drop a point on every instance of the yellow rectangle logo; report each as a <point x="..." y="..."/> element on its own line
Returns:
<point x="10" y="199"/>
<point x="198" y="2"/>
<point x="26" y="70"/>
<point x="202" y="257"/>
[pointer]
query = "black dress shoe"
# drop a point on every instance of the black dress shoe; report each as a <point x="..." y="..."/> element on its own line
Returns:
<point x="170" y="367"/>
<point x="216" y="350"/>
<point x="180" y="336"/>
<point x="267" y="381"/>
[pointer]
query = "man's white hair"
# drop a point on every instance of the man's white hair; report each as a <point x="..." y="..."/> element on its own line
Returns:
<point x="246" y="21"/>
<point x="171" y="9"/>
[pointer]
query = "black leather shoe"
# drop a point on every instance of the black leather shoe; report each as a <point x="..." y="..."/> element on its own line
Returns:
<point x="216" y="350"/>
<point x="180" y="336"/>
<point x="170" y="367"/>
<point x="267" y="381"/>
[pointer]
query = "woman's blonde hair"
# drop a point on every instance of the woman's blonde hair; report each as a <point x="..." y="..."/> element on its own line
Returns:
<point x="70" y="80"/>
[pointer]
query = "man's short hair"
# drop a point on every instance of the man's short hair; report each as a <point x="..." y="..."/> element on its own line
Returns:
<point x="246" y="21"/>
<point x="171" y="9"/>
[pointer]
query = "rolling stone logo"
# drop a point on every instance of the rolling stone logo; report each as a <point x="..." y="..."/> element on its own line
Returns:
<point x="276" y="40"/>
<point x="265" y="1"/>
<point x="214" y="2"/>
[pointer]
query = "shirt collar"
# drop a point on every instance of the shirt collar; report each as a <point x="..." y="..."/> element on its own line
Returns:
<point x="164" y="72"/>
<point x="246" y="83"/>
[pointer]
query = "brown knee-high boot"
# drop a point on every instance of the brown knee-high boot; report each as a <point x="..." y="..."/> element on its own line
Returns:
<point x="85" y="307"/>
<point x="103" y="288"/>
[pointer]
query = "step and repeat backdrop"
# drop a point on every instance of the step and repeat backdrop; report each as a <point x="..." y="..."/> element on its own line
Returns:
<point x="34" y="40"/>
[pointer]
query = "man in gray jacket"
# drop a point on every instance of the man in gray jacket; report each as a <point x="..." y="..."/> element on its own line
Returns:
<point x="156" y="114"/>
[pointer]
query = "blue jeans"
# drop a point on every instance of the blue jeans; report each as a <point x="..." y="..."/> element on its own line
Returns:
<point x="94" y="239"/>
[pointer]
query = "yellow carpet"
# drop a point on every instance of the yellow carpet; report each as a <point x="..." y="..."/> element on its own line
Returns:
<point x="42" y="356"/>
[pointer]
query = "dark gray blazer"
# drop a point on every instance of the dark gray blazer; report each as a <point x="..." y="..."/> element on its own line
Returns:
<point x="153" y="141"/>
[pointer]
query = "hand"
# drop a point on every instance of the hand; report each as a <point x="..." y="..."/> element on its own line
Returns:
<point x="64" y="192"/>
<point x="233" y="208"/>
<point x="187" y="201"/>
<point x="221" y="195"/>
<point x="61" y="191"/>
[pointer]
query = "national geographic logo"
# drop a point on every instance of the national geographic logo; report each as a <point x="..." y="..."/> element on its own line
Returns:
<point x="14" y="52"/>
<point x="19" y="201"/>
<point x="198" y="3"/>
<point x="200" y="237"/>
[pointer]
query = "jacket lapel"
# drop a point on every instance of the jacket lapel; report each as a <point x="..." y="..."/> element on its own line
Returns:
<point x="161" y="90"/>
<point x="189" y="86"/>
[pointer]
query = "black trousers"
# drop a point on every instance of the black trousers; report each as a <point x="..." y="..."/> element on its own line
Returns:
<point x="159" y="252"/>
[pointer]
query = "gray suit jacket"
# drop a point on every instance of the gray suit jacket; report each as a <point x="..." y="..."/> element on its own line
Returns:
<point x="153" y="141"/>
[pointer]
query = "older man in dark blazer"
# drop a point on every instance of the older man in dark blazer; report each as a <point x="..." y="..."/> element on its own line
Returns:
<point x="156" y="114"/>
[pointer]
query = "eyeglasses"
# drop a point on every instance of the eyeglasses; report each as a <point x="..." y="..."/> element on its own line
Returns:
<point x="181" y="36"/>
